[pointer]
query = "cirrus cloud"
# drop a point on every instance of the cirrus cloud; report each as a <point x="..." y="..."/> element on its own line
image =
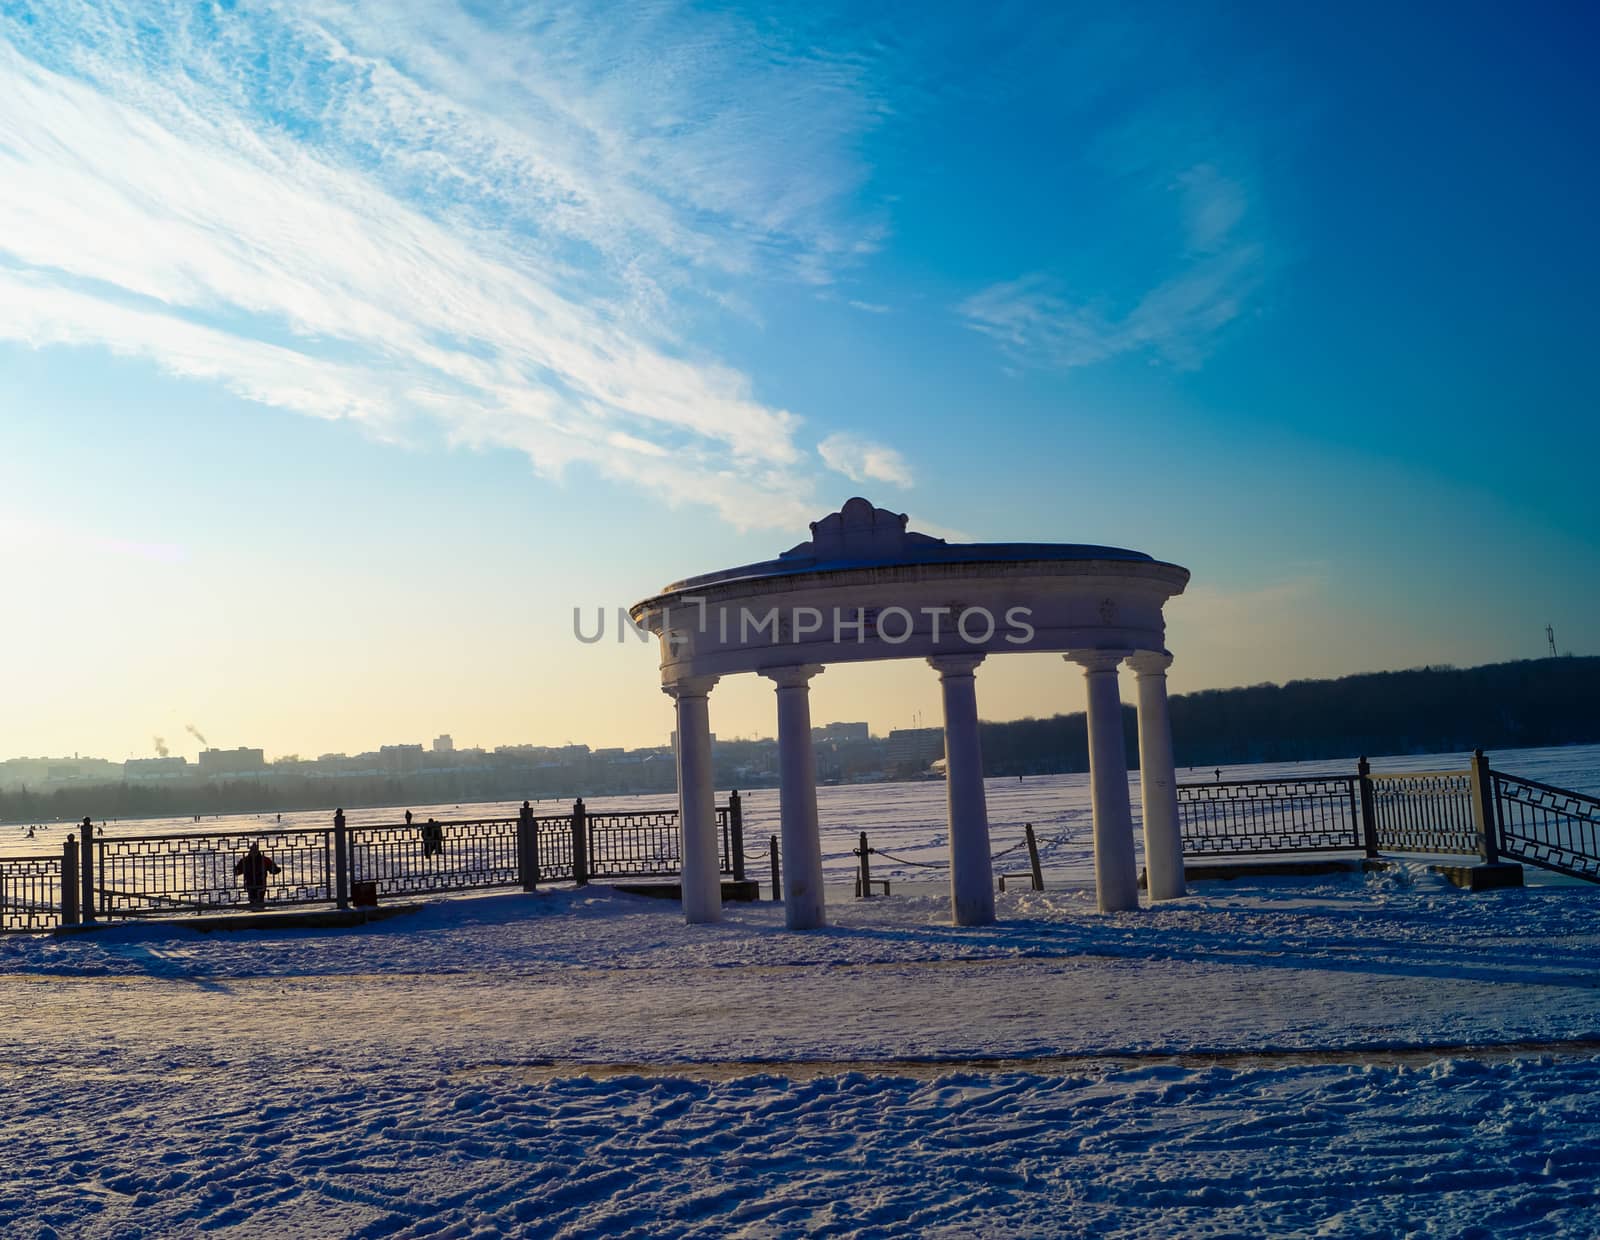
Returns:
<point x="432" y="221"/>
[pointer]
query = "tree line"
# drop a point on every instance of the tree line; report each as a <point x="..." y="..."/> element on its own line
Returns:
<point x="1518" y="705"/>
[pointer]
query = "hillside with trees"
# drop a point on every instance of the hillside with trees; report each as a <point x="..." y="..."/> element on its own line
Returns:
<point x="1426" y="710"/>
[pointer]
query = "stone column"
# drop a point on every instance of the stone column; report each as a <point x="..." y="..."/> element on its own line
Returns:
<point x="697" y="805"/>
<point x="971" y="872"/>
<point x="1158" y="779"/>
<point x="1115" y="876"/>
<point x="803" y="907"/>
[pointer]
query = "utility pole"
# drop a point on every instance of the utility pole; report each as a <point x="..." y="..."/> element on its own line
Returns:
<point x="1550" y="636"/>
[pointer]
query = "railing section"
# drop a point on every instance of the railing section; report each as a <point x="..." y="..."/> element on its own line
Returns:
<point x="1426" y="812"/>
<point x="642" y="843"/>
<point x="553" y="836"/>
<point x="1549" y="827"/>
<point x="414" y="860"/>
<point x="1302" y="814"/>
<point x="30" y="893"/>
<point x="647" y="843"/>
<point x="152" y="876"/>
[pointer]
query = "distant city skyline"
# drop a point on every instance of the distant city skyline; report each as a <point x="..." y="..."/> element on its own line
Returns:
<point x="343" y="357"/>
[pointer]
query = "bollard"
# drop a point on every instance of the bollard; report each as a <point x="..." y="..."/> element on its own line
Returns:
<point x="864" y="878"/>
<point x="527" y="847"/>
<point x="736" y="827"/>
<point x="86" y="873"/>
<point x="777" y="886"/>
<point x="69" y="882"/>
<point x="1033" y="856"/>
<point x="1484" y="809"/>
<point x="341" y="861"/>
<point x="580" y="843"/>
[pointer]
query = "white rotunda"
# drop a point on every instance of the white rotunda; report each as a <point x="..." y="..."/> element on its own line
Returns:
<point x="864" y="587"/>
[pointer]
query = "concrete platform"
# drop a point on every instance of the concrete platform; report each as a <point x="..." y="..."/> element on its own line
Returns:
<point x="1478" y="877"/>
<point x="1252" y="867"/>
<point x="747" y="890"/>
<point x="1483" y="877"/>
<point x="288" y="919"/>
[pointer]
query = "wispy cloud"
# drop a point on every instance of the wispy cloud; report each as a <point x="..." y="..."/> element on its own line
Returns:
<point x="419" y="219"/>
<point x="1217" y="259"/>
<point x="862" y="460"/>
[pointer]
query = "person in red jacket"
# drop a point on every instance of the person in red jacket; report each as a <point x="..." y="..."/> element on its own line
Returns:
<point x="254" y="867"/>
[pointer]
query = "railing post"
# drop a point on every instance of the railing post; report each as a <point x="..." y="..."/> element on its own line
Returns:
<point x="864" y="878"/>
<point x="736" y="828"/>
<point x="69" y="882"/>
<point x="1484" y="817"/>
<point x="1369" y="812"/>
<point x="527" y="847"/>
<point x="341" y="861"/>
<point x="777" y="876"/>
<point x="86" y="872"/>
<point x="1033" y="856"/>
<point x="580" y="843"/>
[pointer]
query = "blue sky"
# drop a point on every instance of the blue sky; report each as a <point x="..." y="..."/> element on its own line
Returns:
<point x="344" y="350"/>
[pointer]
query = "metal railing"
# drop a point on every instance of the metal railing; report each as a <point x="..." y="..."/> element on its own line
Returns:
<point x="435" y="856"/>
<point x="552" y="843"/>
<point x="1432" y="812"/>
<point x="31" y="893"/>
<point x="1316" y="813"/>
<point x="647" y="843"/>
<point x="643" y="843"/>
<point x="1426" y="812"/>
<point x="1476" y="812"/>
<point x="159" y="875"/>
<point x="107" y="877"/>
<point x="1546" y="826"/>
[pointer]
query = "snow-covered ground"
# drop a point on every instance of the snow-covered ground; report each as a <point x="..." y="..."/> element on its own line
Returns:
<point x="1361" y="1055"/>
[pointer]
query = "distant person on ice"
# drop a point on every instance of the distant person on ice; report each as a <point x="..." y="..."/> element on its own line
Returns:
<point x="432" y="838"/>
<point x="254" y="867"/>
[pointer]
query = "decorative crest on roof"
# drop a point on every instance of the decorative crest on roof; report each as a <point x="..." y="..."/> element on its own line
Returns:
<point x="859" y="531"/>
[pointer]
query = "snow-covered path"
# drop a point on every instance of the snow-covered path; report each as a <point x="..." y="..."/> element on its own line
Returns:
<point x="424" y="1076"/>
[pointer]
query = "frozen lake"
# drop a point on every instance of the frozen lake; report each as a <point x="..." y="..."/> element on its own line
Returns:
<point x="904" y="819"/>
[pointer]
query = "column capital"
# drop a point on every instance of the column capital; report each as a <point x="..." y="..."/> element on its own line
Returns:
<point x="794" y="675"/>
<point x="1150" y="662"/>
<point x="1096" y="661"/>
<point x="689" y="687"/>
<point x="948" y="665"/>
